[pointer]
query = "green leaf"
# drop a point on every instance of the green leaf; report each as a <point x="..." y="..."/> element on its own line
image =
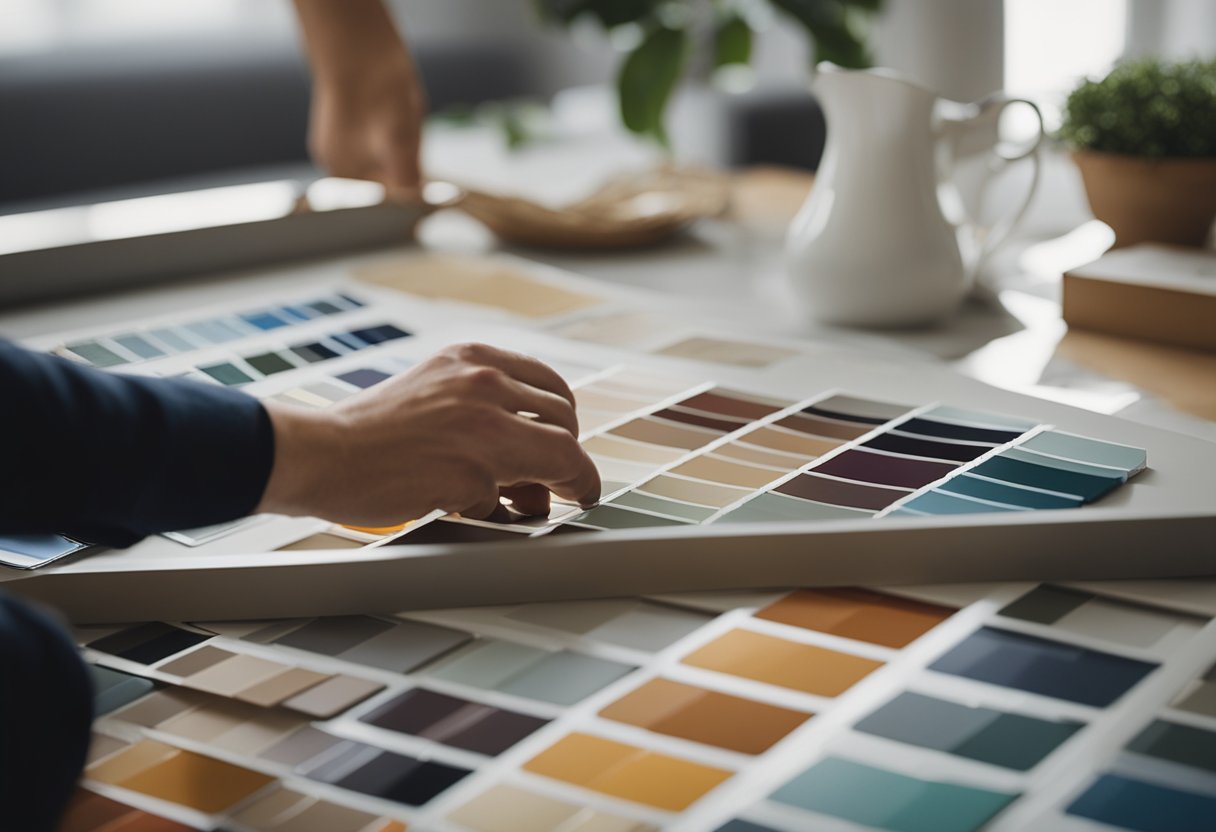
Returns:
<point x="647" y="79"/>
<point x="836" y="27"/>
<point x="610" y="13"/>
<point x="732" y="42"/>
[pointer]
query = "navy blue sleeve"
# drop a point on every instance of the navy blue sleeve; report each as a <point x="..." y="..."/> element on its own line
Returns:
<point x="106" y="458"/>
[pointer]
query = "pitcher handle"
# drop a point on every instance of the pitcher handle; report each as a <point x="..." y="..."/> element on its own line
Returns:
<point x="1000" y="158"/>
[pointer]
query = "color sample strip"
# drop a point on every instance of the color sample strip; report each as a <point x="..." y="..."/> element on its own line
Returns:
<point x="1133" y="804"/>
<point x="979" y="418"/>
<point x="939" y="502"/>
<point x="777" y="508"/>
<point x="740" y="825"/>
<point x="1182" y="744"/>
<point x="885" y="469"/>
<point x="172" y="774"/>
<point x="694" y="491"/>
<point x="858" y="614"/>
<point x="825" y="430"/>
<point x="700" y="419"/>
<point x="506" y="808"/>
<point x="787" y="664"/>
<point x="705" y="716"/>
<point x="641" y="625"/>
<point x="386" y="775"/>
<point x="1042" y="666"/>
<point x="977" y="733"/>
<point x="662" y="505"/>
<point x="854" y="409"/>
<point x="227" y="374"/>
<point x="112" y="689"/>
<point x="756" y="455"/>
<point x="726" y="472"/>
<point x="220" y="723"/>
<point x="921" y="426"/>
<point x="613" y="517"/>
<point x="777" y="438"/>
<point x="631" y="451"/>
<point x="727" y="403"/>
<point x="668" y="434"/>
<point x="1088" y="484"/>
<point x="363" y="378"/>
<point x="42" y="548"/>
<point x="286" y="810"/>
<point x="724" y="351"/>
<point x="562" y="677"/>
<point x="399" y="646"/>
<point x="840" y="493"/>
<point x="931" y="448"/>
<point x="90" y="812"/>
<point x="96" y="354"/>
<point x="1008" y="493"/>
<point x="1084" y="449"/>
<point x="148" y="643"/>
<point x="627" y="772"/>
<point x="333" y="696"/>
<point x="1086" y="614"/>
<point x="453" y="721"/>
<point x="876" y="797"/>
<point x="1199" y="696"/>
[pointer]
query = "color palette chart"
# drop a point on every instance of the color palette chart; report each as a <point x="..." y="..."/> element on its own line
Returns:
<point x="934" y="709"/>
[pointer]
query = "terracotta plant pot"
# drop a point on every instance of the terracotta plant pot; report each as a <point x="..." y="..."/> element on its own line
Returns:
<point x="1151" y="200"/>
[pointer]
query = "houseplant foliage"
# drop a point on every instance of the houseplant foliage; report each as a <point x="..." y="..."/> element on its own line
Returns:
<point x="1144" y="138"/>
<point x="674" y="34"/>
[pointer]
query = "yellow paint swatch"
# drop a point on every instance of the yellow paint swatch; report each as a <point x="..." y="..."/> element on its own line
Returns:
<point x="481" y="281"/>
<point x="178" y="776"/>
<point x="627" y="772"/>
<point x="787" y="664"/>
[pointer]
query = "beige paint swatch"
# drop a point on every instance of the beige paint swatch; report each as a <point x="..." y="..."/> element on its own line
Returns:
<point x="694" y="491"/>
<point x="723" y="351"/>
<point x="481" y="281"/>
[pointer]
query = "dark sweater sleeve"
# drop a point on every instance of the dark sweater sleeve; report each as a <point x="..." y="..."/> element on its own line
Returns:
<point x="107" y="458"/>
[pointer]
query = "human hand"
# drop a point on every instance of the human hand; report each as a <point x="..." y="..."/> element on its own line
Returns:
<point x="447" y="434"/>
<point x="367" y="102"/>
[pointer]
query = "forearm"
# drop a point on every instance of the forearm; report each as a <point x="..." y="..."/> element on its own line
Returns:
<point x="110" y="459"/>
<point x="341" y="35"/>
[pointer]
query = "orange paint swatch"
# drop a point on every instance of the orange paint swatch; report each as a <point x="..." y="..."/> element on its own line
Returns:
<point x="178" y="776"/>
<point x="89" y="812"/>
<point x="627" y="772"/>
<point x="787" y="664"/>
<point x="705" y="716"/>
<point x="858" y="614"/>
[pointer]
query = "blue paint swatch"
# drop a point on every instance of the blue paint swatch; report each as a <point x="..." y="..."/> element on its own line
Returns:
<point x="886" y="800"/>
<point x="264" y="320"/>
<point x="363" y="378"/>
<point x="1039" y="665"/>
<point x="939" y="502"/>
<point x="380" y="334"/>
<point x="947" y="430"/>
<point x="41" y="547"/>
<point x="351" y="342"/>
<point x="1133" y="804"/>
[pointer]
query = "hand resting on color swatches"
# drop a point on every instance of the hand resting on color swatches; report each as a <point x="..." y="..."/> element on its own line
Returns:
<point x="466" y="426"/>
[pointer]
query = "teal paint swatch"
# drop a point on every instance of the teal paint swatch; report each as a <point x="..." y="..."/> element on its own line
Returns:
<point x="1084" y="449"/>
<point x="227" y="374"/>
<point x="96" y="354"/>
<point x="939" y="502"/>
<point x="1073" y="465"/>
<point x="775" y="508"/>
<point x="980" y="418"/>
<point x="1183" y="744"/>
<point x="876" y="797"/>
<point x="1133" y="804"/>
<point x="646" y="502"/>
<point x="984" y="734"/>
<point x="1007" y="467"/>
<point x="140" y="346"/>
<point x="1007" y="493"/>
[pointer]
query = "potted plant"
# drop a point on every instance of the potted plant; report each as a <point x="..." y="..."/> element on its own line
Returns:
<point x="1144" y="138"/>
<point x="669" y="38"/>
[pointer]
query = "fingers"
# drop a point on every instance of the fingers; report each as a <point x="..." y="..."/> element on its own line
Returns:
<point x="520" y="367"/>
<point x="549" y="407"/>
<point x="528" y="499"/>
<point x="549" y="456"/>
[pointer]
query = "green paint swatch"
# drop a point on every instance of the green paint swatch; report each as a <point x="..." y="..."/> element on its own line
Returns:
<point x="1176" y="743"/>
<point x="776" y="508"/>
<point x="1045" y="604"/>
<point x="636" y="499"/>
<point x="875" y="797"/>
<point x="610" y="517"/>
<point x="984" y="734"/>
<point x="227" y="374"/>
<point x="269" y="363"/>
<point x="96" y="354"/>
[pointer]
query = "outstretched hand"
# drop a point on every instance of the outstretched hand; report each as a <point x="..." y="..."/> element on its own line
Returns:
<point x="464" y="428"/>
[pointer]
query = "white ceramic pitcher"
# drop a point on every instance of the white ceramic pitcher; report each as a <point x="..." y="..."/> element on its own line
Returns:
<point x="883" y="239"/>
